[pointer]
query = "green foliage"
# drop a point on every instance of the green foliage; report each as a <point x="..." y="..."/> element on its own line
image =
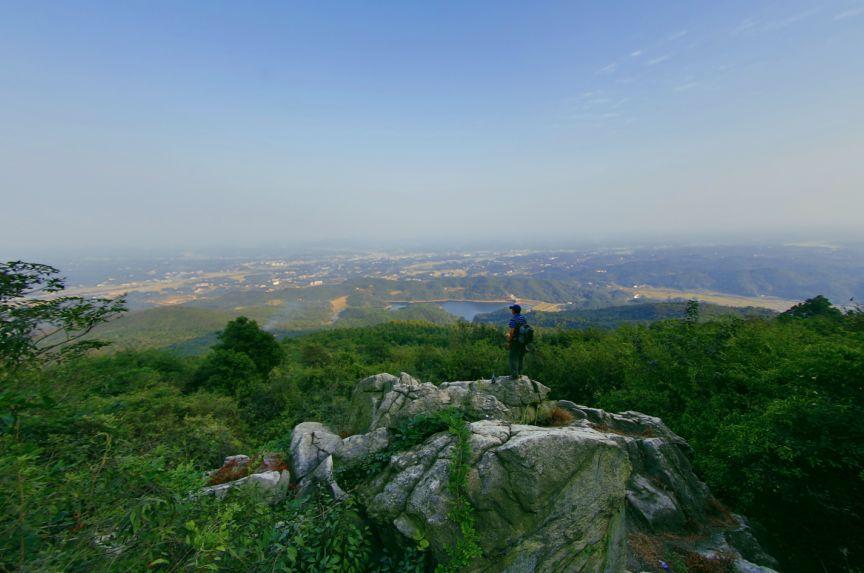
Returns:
<point x="323" y="535"/>
<point x="630" y="313"/>
<point x="89" y="472"/>
<point x="467" y="546"/>
<point x="818" y="306"/>
<point x="226" y="371"/>
<point x="368" y="316"/>
<point x="36" y="327"/>
<point x="166" y="326"/>
<point x="243" y="336"/>
<point x="112" y="446"/>
<point x="408" y="434"/>
<point x="691" y="311"/>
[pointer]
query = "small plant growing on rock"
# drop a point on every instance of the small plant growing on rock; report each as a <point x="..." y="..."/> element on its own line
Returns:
<point x="229" y="472"/>
<point x="234" y="469"/>
<point x="560" y="417"/>
<point x="696" y="563"/>
<point x="467" y="547"/>
<point x="406" y="435"/>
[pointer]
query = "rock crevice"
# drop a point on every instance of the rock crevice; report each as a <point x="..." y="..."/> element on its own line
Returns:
<point x="546" y="499"/>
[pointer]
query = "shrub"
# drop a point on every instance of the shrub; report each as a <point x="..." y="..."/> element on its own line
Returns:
<point x="559" y="417"/>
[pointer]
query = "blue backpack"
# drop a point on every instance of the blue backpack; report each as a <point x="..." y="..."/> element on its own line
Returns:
<point x="525" y="334"/>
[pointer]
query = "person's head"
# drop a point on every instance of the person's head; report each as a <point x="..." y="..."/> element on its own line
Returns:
<point x="515" y="308"/>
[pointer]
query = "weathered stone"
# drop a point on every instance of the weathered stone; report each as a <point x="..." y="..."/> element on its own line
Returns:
<point x="383" y="401"/>
<point x="576" y="411"/>
<point x="511" y="392"/>
<point x="311" y="444"/>
<point x="322" y="476"/>
<point x="239" y="460"/>
<point x="273" y="484"/>
<point x="544" y="499"/>
<point x="537" y="497"/>
<point x="366" y="398"/>
<point x="742" y="539"/>
<point x="359" y="446"/>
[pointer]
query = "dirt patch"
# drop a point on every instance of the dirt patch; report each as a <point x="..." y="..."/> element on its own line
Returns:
<point x="337" y="305"/>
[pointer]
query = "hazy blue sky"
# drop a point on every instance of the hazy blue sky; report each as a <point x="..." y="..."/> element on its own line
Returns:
<point x="241" y="123"/>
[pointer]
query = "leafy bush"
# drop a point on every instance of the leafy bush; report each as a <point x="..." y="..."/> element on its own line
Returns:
<point x="226" y="371"/>
<point x="773" y="408"/>
<point x="244" y="336"/>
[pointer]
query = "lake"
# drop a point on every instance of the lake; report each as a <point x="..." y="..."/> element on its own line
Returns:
<point x="464" y="308"/>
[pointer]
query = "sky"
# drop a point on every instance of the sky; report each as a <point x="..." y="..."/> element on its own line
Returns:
<point x="207" y="124"/>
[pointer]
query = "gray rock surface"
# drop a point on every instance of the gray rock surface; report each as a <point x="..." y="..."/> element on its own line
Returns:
<point x="545" y="498"/>
<point x="312" y="446"/>
<point x="273" y="484"/>
<point x="383" y="401"/>
<point x="358" y="446"/>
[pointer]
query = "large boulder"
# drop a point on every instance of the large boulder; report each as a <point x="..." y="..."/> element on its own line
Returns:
<point x="312" y="447"/>
<point x="269" y="476"/>
<point x="384" y="401"/>
<point x="546" y="499"/>
<point x="356" y="447"/>
<point x="311" y="444"/>
<point x="599" y="493"/>
<point x="272" y="484"/>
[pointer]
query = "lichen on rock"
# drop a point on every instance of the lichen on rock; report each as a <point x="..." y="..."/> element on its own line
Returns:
<point x="543" y="498"/>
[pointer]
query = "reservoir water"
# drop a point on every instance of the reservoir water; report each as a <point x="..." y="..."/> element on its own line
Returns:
<point x="462" y="308"/>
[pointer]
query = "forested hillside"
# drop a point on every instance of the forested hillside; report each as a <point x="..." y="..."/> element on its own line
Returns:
<point x="190" y="327"/>
<point x="101" y="453"/>
<point x="631" y="313"/>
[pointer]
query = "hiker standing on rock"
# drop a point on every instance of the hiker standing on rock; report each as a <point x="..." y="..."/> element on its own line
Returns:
<point x="518" y="337"/>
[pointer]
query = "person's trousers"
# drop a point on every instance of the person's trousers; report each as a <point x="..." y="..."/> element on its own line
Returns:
<point x="517" y="359"/>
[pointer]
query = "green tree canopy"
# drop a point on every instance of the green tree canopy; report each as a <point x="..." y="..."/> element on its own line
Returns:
<point x="37" y="323"/>
<point x="225" y="371"/>
<point x="246" y="337"/>
<point x="813" y="307"/>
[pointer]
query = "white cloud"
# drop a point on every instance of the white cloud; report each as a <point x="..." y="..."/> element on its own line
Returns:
<point x="610" y="69"/>
<point x="635" y="53"/>
<point x="851" y="13"/>
<point x="656" y="61"/>
<point x="744" y="26"/>
<point x="786" y="22"/>
<point x="686" y="86"/>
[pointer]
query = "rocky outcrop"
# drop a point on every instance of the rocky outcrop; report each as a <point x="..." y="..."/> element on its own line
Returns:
<point x="601" y="492"/>
<point x="385" y="400"/>
<point x="312" y="446"/>
<point x="270" y="477"/>
<point x="273" y="484"/>
<point x="546" y="498"/>
<point x="355" y="448"/>
<point x="553" y="486"/>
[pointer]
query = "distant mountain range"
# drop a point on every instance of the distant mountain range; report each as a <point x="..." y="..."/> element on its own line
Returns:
<point x="594" y="289"/>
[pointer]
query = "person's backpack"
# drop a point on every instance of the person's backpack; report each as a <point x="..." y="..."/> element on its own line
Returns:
<point x="525" y="335"/>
